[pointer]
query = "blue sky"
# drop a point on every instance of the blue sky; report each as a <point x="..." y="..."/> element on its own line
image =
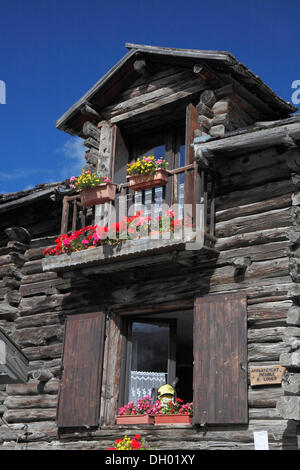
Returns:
<point x="53" y="51"/>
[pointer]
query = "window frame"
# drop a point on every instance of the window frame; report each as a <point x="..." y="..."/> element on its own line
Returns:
<point x="126" y="352"/>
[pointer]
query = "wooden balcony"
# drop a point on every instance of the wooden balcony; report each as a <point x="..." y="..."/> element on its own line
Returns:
<point x="190" y="191"/>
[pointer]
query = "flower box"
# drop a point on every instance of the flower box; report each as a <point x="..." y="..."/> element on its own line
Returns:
<point x="140" y="182"/>
<point x="135" y="419"/>
<point x="100" y="194"/>
<point x="169" y="420"/>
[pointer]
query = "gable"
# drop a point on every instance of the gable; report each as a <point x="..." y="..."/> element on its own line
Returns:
<point x="141" y="59"/>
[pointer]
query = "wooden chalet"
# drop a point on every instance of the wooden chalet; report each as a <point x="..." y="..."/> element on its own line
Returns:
<point x="219" y="309"/>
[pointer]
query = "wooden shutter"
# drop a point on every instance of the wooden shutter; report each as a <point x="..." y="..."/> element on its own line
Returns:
<point x="220" y="359"/>
<point x="79" y="395"/>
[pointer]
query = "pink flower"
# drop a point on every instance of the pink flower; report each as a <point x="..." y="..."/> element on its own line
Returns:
<point x="96" y="237"/>
<point x="85" y="242"/>
<point x="107" y="180"/>
<point x="72" y="186"/>
<point x="67" y="242"/>
<point x="72" y="179"/>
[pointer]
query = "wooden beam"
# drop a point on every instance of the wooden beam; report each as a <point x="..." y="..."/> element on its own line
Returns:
<point x="250" y="141"/>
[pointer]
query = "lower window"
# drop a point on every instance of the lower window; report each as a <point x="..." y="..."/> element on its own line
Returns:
<point x="157" y="350"/>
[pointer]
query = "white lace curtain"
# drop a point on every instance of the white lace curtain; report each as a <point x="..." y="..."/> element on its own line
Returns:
<point x="142" y="383"/>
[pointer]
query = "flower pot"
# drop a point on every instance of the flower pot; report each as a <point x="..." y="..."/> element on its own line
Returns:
<point x="100" y="194"/>
<point x="135" y="419"/>
<point x="169" y="420"/>
<point x="140" y="182"/>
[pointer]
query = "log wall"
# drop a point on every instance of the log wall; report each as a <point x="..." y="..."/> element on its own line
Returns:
<point x="256" y="217"/>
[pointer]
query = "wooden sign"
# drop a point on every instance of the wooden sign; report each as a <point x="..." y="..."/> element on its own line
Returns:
<point x="264" y="375"/>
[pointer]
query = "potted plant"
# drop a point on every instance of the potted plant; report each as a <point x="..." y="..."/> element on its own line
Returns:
<point x="147" y="172"/>
<point x="94" y="189"/>
<point x="170" y="413"/>
<point x="139" y="413"/>
<point x="128" y="443"/>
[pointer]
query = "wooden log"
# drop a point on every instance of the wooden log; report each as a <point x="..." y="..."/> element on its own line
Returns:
<point x="34" y="388"/>
<point x="39" y="319"/>
<point x="260" y="252"/>
<point x="43" y="287"/>
<point x="250" y="141"/>
<point x="29" y="415"/>
<point x="204" y="110"/>
<point x="54" y="365"/>
<point x="10" y="270"/>
<point x="91" y="144"/>
<point x="90" y="130"/>
<point x="35" y="431"/>
<point x="16" y="246"/>
<point x="163" y="88"/>
<point x="8" y="312"/>
<point x="39" y="336"/>
<point x="266" y="335"/>
<point x="252" y="223"/>
<point x="13" y="298"/>
<point x="19" y="234"/>
<point x="12" y="258"/>
<point x="263" y="269"/>
<point x="259" y="193"/>
<point x="42" y="375"/>
<point x="264" y="352"/>
<point x="32" y="401"/>
<point x="268" y="311"/>
<point x="208" y="98"/>
<point x="264" y="397"/>
<point x="263" y="413"/>
<point x="32" y="267"/>
<point x="43" y="352"/>
<point x="255" y="177"/>
<point x="252" y="238"/>
<point x="34" y="253"/>
<point x="255" y="208"/>
<point x="39" y="277"/>
<point x="86" y="108"/>
<point x="39" y="304"/>
<point x="241" y="262"/>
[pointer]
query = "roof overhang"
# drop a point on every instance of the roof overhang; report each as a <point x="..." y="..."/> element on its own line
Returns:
<point x="123" y="73"/>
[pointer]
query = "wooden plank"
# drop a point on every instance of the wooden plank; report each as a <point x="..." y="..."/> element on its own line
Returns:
<point x="185" y="92"/>
<point x="220" y="359"/>
<point x="190" y="125"/>
<point x="266" y="375"/>
<point x="79" y="395"/>
<point x="65" y="216"/>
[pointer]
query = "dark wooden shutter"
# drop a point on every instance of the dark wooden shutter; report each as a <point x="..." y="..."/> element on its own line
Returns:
<point x="220" y="359"/>
<point x="79" y="395"/>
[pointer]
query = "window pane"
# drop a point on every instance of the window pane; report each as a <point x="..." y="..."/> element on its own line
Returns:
<point x="149" y="365"/>
<point x="150" y="345"/>
<point x="158" y="151"/>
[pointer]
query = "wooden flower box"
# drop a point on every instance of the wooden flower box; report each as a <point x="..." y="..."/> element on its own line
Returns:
<point x="169" y="420"/>
<point x="140" y="182"/>
<point x="100" y="194"/>
<point x="135" y="419"/>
